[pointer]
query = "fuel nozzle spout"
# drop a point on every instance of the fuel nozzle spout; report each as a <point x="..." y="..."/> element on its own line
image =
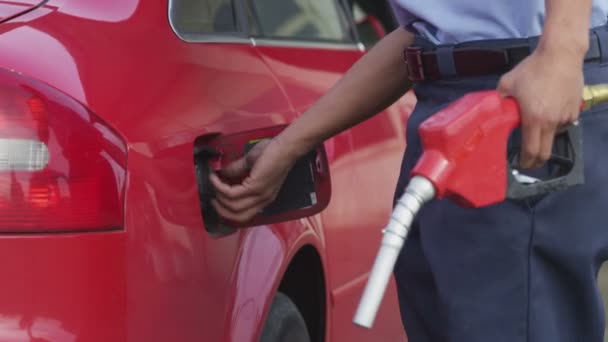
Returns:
<point x="594" y="95"/>
<point x="419" y="191"/>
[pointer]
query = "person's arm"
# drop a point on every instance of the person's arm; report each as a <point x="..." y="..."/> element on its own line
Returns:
<point x="548" y="84"/>
<point x="374" y="82"/>
<point x="567" y="25"/>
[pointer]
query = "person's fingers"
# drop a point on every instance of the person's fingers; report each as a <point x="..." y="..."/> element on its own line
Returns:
<point x="239" y="217"/>
<point x="545" y="148"/>
<point x="505" y="85"/>
<point x="236" y="169"/>
<point x="246" y="186"/>
<point x="531" y="142"/>
<point x="243" y="166"/>
<point x="231" y="192"/>
<point x="242" y="204"/>
<point x="225" y="213"/>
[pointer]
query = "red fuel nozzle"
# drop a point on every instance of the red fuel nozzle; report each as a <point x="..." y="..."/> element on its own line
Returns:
<point x="465" y="159"/>
<point x="465" y="148"/>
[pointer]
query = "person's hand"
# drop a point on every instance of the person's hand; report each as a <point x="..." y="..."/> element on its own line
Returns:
<point x="269" y="165"/>
<point x="548" y="87"/>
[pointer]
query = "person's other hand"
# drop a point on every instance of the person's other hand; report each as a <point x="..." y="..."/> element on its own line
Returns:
<point x="548" y="87"/>
<point x="268" y="165"/>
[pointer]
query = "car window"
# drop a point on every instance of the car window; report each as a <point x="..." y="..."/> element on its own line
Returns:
<point x="318" y="20"/>
<point x="380" y="9"/>
<point x="203" y="16"/>
<point x="370" y="16"/>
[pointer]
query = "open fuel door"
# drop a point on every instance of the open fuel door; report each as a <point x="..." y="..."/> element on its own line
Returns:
<point x="305" y="192"/>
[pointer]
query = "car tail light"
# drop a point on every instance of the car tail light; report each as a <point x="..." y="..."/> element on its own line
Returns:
<point x="61" y="168"/>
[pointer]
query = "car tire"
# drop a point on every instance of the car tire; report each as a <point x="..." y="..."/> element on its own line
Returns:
<point x="284" y="322"/>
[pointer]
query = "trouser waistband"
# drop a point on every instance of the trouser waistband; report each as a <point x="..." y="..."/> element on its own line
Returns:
<point x="428" y="61"/>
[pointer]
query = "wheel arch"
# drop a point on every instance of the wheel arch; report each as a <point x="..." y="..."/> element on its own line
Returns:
<point x="273" y="260"/>
<point x="304" y="282"/>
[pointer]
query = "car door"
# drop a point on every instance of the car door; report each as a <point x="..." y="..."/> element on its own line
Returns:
<point x="309" y="45"/>
<point x="217" y="85"/>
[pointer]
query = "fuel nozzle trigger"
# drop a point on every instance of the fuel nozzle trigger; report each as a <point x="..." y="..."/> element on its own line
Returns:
<point x="564" y="169"/>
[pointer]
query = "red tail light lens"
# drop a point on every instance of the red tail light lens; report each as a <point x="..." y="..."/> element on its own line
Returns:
<point x="61" y="167"/>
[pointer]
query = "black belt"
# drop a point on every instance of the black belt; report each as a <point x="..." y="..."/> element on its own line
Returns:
<point x="476" y="61"/>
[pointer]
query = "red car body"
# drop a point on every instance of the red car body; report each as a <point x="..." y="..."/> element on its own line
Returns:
<point x="158" y="275"/>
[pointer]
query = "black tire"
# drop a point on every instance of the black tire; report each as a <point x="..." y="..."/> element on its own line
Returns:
<point x="284" y="322"/>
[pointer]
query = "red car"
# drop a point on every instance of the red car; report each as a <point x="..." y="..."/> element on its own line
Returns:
<point x="102" y="104"/>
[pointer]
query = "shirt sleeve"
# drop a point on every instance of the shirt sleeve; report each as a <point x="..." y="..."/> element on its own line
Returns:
<point x="404" y="18"/>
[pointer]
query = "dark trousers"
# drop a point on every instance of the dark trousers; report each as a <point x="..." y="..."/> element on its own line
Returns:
<point x="514" y="271"/>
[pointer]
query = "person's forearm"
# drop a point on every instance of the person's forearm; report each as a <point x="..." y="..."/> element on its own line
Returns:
<point x="374" y="82"/>
<point x="566" y="28"/>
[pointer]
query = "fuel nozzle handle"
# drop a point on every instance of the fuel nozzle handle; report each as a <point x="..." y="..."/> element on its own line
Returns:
<point x="466" y="142"/>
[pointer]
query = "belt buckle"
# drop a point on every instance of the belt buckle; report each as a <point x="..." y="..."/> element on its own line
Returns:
<point x="413" y="59"/>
